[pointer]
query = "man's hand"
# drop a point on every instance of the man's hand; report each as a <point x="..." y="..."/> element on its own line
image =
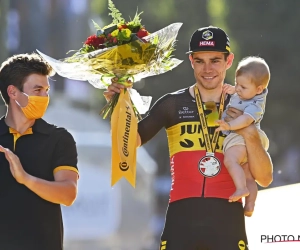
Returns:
<point x="232" y="113"/>
<point x="222" y="125"/>
<point x="16" y="168"/>
<point x="249" y="131"/>
<point x="114" y="88"/>
<point x="228" y="89"/>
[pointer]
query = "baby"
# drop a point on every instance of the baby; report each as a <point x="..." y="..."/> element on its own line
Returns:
<point x="249" y="95"/>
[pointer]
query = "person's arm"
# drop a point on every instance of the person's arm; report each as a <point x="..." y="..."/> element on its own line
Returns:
<point x="259" y="160"/>
<point x="238" y="123"/>
<point x="61" y="191"/>
<point x="157" y="117"/>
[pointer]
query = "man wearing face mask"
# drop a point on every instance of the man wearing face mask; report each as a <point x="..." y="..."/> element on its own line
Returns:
<point x="38" y="163"/>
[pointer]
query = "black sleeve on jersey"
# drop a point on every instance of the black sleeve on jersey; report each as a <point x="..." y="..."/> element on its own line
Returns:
<point x="157" y="118"/>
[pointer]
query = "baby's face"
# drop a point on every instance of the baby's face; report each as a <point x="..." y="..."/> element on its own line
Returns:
<point x="245" y="88"/>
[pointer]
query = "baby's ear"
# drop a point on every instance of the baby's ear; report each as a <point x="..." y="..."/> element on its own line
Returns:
<point x="260" y="89"/>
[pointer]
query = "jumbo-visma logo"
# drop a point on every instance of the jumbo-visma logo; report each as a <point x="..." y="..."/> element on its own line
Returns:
<point x="188" y="136"/>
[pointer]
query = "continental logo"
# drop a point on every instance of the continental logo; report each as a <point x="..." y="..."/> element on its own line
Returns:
<point x="123" y="166"/>
<point x="188" y="136"/>
<point x="126" y="133"/>
<point x="163" y="245"/>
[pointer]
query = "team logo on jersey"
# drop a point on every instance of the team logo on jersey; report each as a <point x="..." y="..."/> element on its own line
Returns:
<point x="209" y="166"/>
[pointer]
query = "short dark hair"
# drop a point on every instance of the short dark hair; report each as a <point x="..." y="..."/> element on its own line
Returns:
<point x="15" y="70"/>
<point x="226" y="54"/>
<point x="256" y="68"/>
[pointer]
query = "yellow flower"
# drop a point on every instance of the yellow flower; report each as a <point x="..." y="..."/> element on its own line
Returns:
<point x="126" y="33"/>
<point x="115" y="33"/>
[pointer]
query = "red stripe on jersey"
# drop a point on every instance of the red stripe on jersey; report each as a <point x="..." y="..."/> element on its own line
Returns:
<point x="187" y="181"/>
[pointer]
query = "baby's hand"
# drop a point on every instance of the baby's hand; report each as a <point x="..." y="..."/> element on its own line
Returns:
<point x="228" y="89"/>
<point x="222" y="125"/>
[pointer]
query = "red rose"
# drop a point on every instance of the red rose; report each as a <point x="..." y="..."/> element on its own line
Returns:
<point x="95" y="41"/>
<point x="142" y="32"/>
<point x="123" y="26"/>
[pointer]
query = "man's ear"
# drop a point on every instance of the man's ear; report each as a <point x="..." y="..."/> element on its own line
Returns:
<point x="191" y="60"/>
<point x="12" y="91"/>
<point x="229" y="60"/>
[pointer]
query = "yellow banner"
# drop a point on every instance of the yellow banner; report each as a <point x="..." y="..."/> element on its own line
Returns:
<point x="124" y="134"/>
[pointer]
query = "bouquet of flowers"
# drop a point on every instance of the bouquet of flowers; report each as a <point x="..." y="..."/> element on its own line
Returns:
<point x="128" y="51"/>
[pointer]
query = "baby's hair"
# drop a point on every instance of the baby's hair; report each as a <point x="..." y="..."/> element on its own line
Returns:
<point x="256" y="68"/>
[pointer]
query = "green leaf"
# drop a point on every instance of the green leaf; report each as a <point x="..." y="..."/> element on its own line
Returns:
<point x="97" y="27"/>
<point x="155" y="40"/>
<point x="137" y="21"/>
<point x="115" y="13"/>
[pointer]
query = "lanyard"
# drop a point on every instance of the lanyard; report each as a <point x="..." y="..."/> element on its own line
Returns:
<point x="210" y="145"/>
